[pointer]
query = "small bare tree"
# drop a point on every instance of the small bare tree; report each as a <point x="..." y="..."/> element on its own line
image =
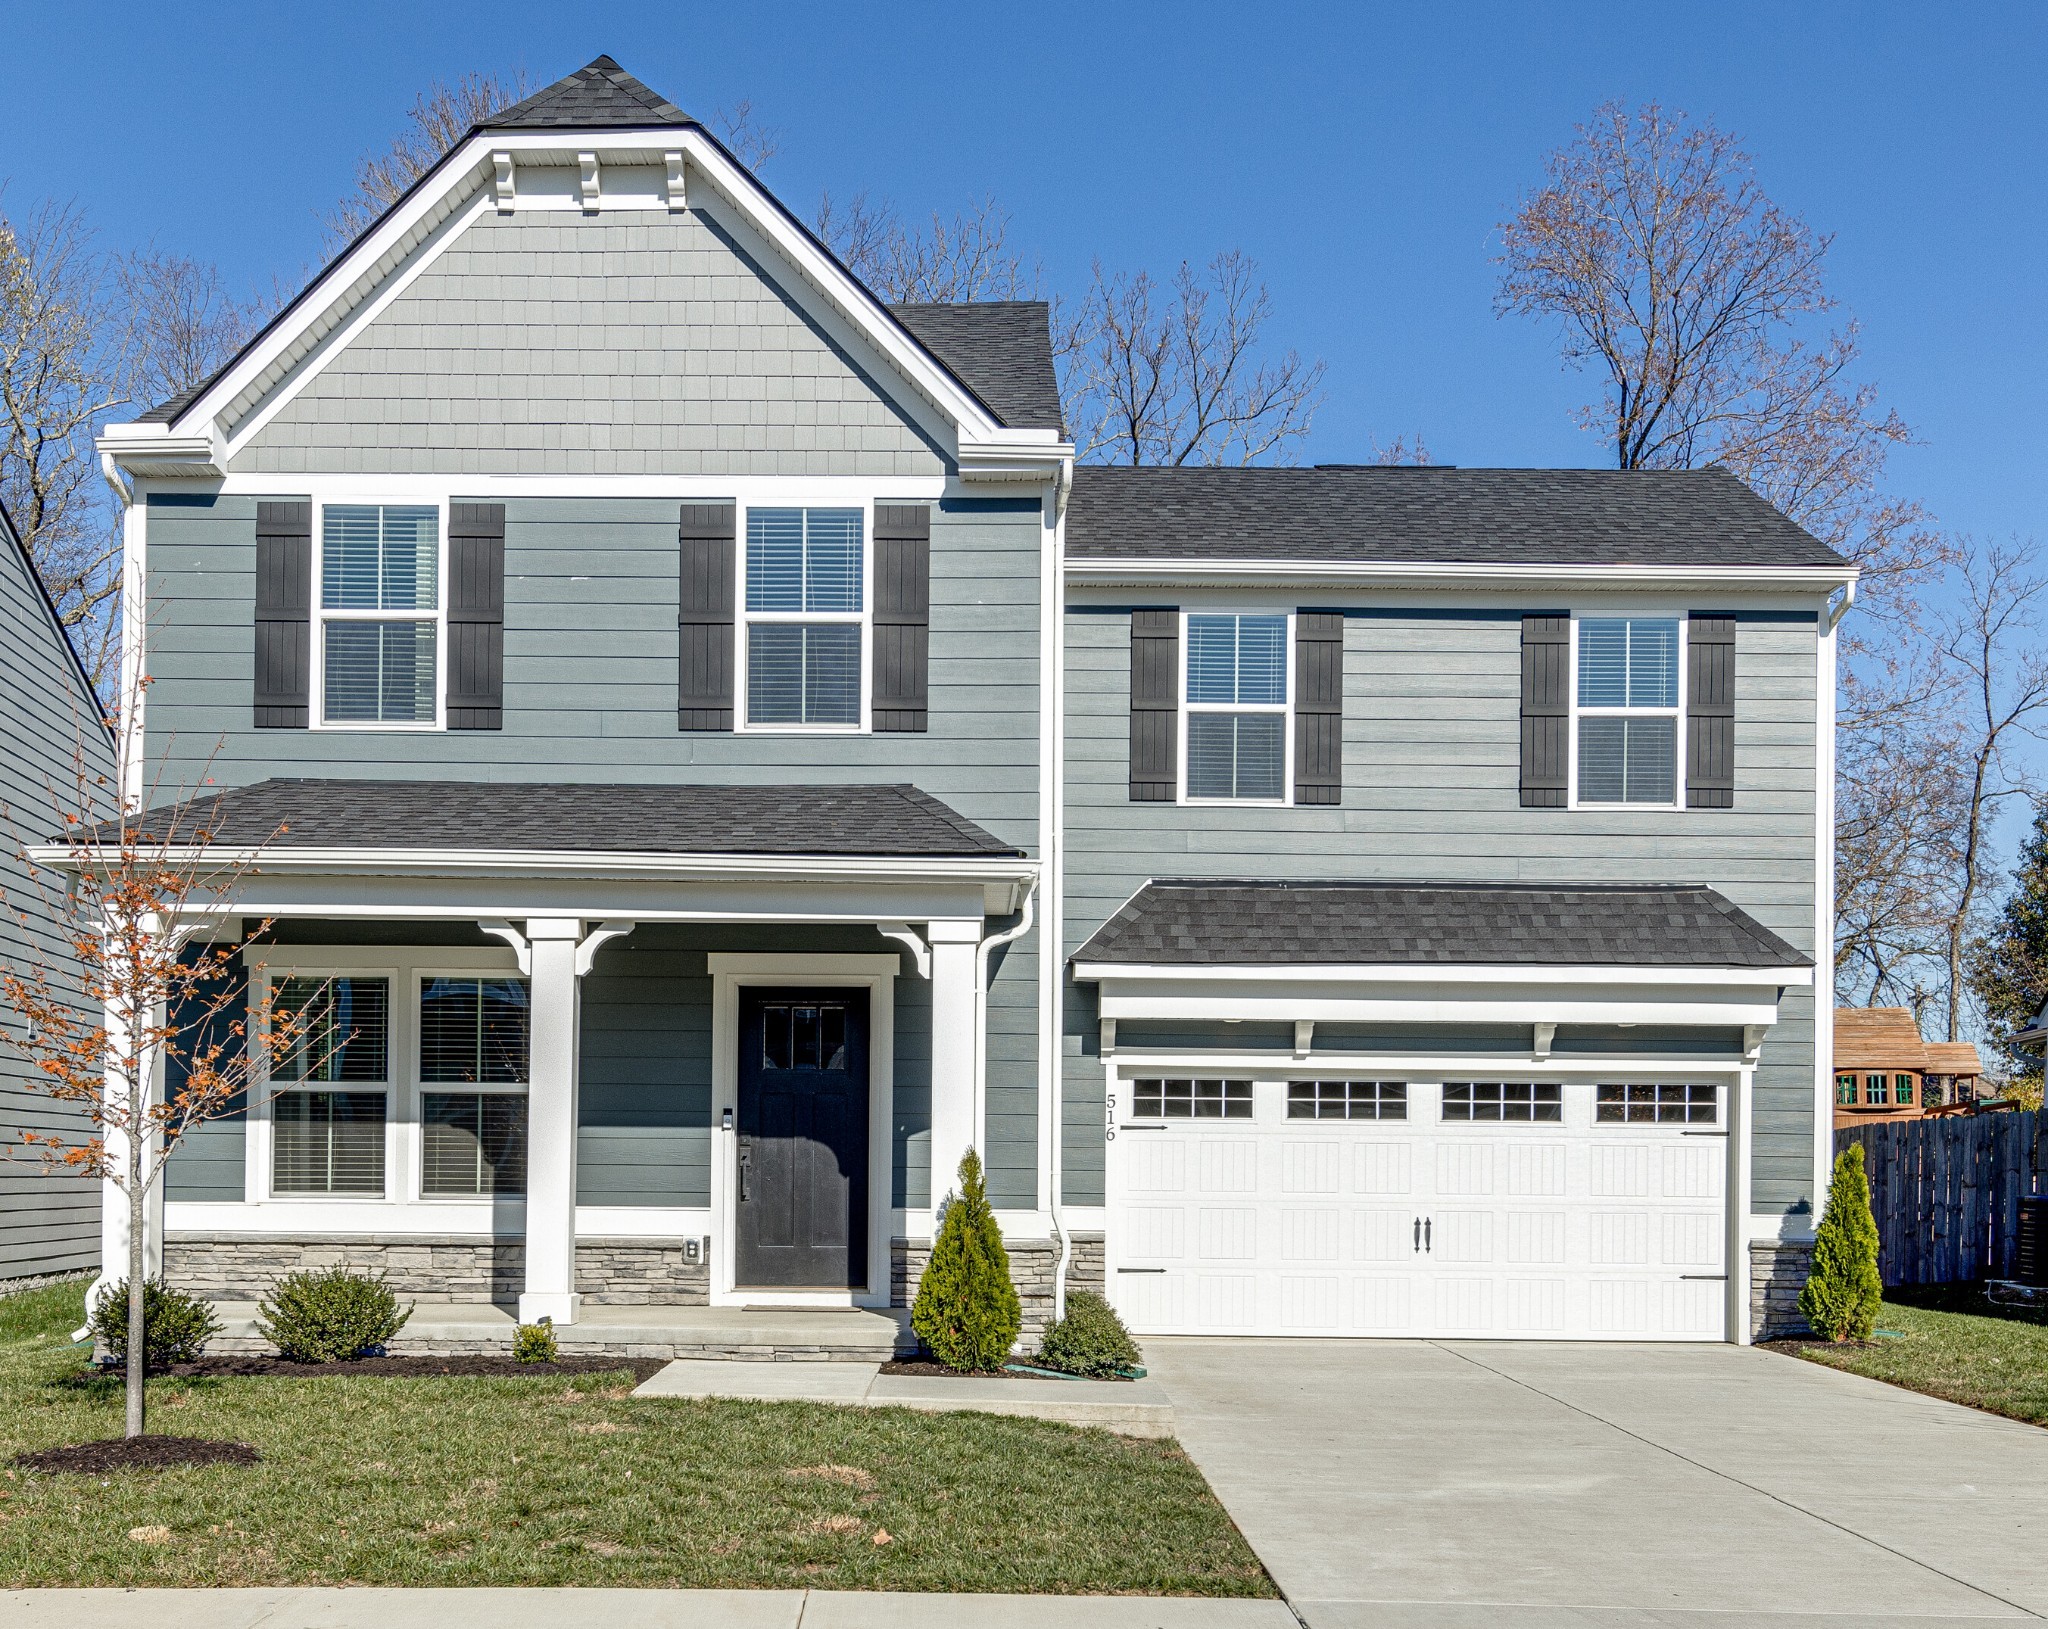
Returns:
<point x="1654" y="247"/>
<point x="182" y="321"/>
<point x="1179" y="373"/>
<point x="440" y="116"/>
<point x="137" y="997"/>
<point x="745" y="136"/>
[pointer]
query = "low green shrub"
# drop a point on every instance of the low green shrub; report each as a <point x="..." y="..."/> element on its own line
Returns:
<point x="330" y="1316"/>
<point x="1090" y="1339"/>
<point x="535" y="1343"/>
<point x="966" y="1310"/>
<point x="175" y="1326"/>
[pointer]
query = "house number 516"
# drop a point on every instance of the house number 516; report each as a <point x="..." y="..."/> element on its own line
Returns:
<point x="1109" y="1116"/>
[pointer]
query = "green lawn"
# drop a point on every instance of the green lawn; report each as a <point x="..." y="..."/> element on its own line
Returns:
<point x="1955" y="1345"/>
<point x="565" y="1481"/>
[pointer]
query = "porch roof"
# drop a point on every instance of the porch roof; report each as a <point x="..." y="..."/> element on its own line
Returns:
<point x="1189" y="924"/>
<point x="482" y="817"/>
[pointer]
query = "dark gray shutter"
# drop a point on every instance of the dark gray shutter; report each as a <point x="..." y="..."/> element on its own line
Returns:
<point x="709" y="580"/>
<point x="903" y="599"/>
<point x="1710" y="710"/>
<point x="476" y="616"/>
<point x="1155" y="706"/>
<point x="284" y="613"/>
<point x="1546" y="709"/>
<point x="1319" y="707"/>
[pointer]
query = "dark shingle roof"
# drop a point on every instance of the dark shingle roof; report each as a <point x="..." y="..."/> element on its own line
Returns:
<point x="1228" y="924"/>
<point x="999" y="349"/>
<point x="165" y="411"/>
<point x="600" y="96"/>
<point x="1432" y="516"/>
<point x="870" y="821"/>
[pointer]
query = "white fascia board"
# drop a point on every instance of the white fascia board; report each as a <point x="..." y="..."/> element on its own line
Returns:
<point x="1119" y="973"/>
<point x="150" y="449"/>
<point x="1516" y="1008"/>
<point x="1421" y="574"/>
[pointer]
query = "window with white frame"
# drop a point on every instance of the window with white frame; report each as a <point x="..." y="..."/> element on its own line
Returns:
<point x="474" y="1041"/>
<point x="379" y="637"/>
<point x="332" y="1087"/>
<point x="805" y="629"/>
<point x="1236" y="715"/>
<point x="1627" y="714"/>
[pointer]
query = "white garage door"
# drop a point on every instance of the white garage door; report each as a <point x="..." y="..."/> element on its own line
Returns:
<point x="1559" y="1210"/>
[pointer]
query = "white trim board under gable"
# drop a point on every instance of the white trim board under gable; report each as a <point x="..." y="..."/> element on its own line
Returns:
<point x="464" y="185"/>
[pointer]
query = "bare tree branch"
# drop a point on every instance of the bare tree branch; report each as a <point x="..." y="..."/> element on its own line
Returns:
<point x="746" y="137"/>
<point x="943" y="262"/>
<point x="440" y="116"/>
<point x="182" y="321"/>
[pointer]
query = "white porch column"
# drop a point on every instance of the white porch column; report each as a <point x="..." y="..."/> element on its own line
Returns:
<point x="954" y="1110"/>
<point x="551" y="1123"/>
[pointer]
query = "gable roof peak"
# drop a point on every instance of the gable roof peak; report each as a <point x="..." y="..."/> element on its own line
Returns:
<point x="598" y="96"/>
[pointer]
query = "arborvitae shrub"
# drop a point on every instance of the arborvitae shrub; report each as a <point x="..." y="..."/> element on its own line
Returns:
<point x="330" y="1316"/>
<point x="175" y="1326"/>
<point x="1090" y="1339"/>
<point x="966" y="1310"/>
<point x="1843" y="1291"/>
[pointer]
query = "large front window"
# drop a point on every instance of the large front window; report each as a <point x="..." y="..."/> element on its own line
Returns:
<point x="379" y="635"/>
<point x="1236" y="707"/>
<point x="805" y="617"/>
<point x="327" y="1120"/>
<point x="474" y="1037"/>
<point x="1628" y="710"/>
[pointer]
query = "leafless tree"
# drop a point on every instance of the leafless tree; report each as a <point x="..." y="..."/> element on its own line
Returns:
<point x="182" y="322"/>
<point x="440" y="116"/>
<point x="969" y="257"/>
<point x="1671" y="273"/>
<point x="59" y="375"/>
<point x="749" y="140"/>
<point x="1178" y="373"/>
<point x="1401" y="451"/>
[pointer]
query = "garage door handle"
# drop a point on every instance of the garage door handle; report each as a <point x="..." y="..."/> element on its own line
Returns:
<point x="1418" y="1235"/>
<point x="1141" y="1269"/>
<point x="1427" y="1223"/>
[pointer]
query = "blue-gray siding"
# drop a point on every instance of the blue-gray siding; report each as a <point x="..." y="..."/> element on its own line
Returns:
<point x="49" y="733"/>
<point x="1431" y="748"/>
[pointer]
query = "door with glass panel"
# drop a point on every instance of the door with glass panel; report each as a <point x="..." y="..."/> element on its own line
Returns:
<point x="801" y="1208"/>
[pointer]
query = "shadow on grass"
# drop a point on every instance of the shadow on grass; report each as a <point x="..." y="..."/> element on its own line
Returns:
<point x="1968" y="1299"/>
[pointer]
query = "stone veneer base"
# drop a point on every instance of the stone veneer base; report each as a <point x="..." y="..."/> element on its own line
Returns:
<point x="1777" y="1273"/>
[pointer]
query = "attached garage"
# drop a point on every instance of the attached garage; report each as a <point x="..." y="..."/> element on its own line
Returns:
<point x="1282" y="1203"/>
<point x="1533" y="1124"/>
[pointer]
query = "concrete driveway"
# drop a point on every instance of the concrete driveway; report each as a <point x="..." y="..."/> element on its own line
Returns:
<point x="1454" y="1485"/>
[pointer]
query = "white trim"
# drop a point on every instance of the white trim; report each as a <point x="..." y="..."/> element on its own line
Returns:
<point x="1823" y="920"/>
<point x="877" y="975"/>
<point x="1424" y="574"/>
<point x="1443" y="973"/>
<point x="1186" y="707"/>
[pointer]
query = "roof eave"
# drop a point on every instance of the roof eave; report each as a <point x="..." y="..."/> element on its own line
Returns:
<point x="1140" y="573"/>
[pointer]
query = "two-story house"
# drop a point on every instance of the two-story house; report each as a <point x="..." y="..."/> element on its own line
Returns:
<point x="716" y="759"/>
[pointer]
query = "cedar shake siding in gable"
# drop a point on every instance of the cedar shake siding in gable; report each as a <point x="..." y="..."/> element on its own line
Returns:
<point x="551" y="343"/>
<point x="590" y="685"/>
<point x="1432" y="791"/>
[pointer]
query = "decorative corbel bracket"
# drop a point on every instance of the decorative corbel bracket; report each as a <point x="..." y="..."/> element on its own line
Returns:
<point x="1752" y="1041"/>
<point x="1304" y="1036"/>
<point x="907" y="936"/>
<point x="502" y="184"/>
<point x="1545" y="1034"/>
<point x="522" y="951"/>
<point x="678" y="199"/>
<point x="595" y="940"/>
<point x="1108" y="1037"/>
<point x="586" y="164"/>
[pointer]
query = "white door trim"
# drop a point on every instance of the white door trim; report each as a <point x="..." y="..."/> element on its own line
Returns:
<point x="877" y="975"/>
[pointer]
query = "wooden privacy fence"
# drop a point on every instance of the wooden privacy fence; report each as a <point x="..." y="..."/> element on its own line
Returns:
<point x="1946" y="1192"/>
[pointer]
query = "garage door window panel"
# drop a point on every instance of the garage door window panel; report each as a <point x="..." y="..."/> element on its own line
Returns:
<point x="1498" y="1101"/>
<point x="1191" y="1099"/>
<point x="1347" y="1100"/>
<point x="1658" y="1103"/>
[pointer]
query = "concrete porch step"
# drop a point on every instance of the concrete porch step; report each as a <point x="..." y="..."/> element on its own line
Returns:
<point x="739" y="1334"/>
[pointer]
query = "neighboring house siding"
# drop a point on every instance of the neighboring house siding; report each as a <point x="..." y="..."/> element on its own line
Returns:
<point x="47" y="731"/>
<point x="627" y="343"/>
<point x="591" y="596"/>
<point x="1431" y="751"/>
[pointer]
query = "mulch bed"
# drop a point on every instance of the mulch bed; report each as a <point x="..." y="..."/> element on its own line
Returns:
<point x="138" y="1454"/>
<point x="241" y="1365"/>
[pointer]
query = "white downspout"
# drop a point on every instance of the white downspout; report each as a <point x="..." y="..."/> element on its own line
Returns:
<point x="982" y="952"/>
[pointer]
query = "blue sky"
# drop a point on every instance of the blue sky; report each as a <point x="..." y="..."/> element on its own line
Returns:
<point x="1362" y="154"/>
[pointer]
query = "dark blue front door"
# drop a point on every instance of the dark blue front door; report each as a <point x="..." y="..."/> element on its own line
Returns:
<point x="803" y="1139"/>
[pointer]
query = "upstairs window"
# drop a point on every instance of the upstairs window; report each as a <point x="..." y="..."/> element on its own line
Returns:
<point x="1237" y="708"/>
<point x="379" y="610"/>
<point x="1627" y="714"/>
<point x="806" y="618"/>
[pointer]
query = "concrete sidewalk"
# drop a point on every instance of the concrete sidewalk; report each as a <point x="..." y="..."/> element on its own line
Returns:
<point x="615" y="1609"/>
<point x="1136" y="1408"/>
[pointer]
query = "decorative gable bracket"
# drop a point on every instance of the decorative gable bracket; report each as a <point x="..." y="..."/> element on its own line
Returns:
<point x="678" y="197"/>
<point x="501" y="184"/>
